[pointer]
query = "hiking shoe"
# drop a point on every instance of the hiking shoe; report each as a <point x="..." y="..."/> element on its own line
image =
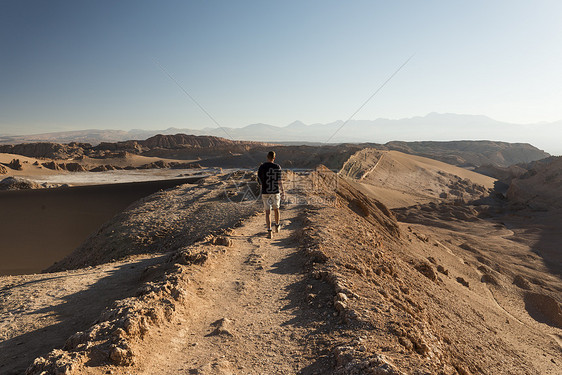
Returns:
<point x="269" y="233"/>
<point x="277" y="228"/>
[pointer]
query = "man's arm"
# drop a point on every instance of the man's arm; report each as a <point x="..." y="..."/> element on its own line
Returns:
<point x="260" y="174"/>
<point x="281" y="187"/>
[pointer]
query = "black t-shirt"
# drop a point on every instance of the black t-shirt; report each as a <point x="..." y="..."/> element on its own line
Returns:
<point x="269" y="175"/>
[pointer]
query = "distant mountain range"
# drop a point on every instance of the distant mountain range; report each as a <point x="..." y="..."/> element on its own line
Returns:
<point x="434" y="127"/>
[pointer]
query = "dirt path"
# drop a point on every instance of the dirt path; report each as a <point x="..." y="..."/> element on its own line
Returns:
<point x="244" y="313"/>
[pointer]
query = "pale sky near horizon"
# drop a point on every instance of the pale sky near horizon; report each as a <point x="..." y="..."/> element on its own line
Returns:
<point x="69" y="65"/>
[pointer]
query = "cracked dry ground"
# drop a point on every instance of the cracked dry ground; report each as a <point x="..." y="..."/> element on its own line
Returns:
<point x="246" y="312"/>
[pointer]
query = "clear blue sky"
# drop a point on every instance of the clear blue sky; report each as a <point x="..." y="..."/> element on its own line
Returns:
<point x="91" y="64"/>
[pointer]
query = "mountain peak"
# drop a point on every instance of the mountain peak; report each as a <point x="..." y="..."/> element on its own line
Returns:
<point x="296" y="124"/>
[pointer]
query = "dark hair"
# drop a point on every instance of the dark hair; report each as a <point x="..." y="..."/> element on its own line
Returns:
<point x="271" y="155"/>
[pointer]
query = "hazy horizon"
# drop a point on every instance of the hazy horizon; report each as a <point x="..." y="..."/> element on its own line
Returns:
<point x="451" y="127"/>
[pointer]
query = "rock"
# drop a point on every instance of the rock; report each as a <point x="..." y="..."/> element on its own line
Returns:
<point x="522" y="282"/>
<point x="57" y="362"/>
<point x="489" y="279"/>
<point x="222" y="241"/>
<point x="75" y="340"/>
<point x="543" y="308"/>
<point x="222" y="327"/>
<point x="159" y="164"/>
<point x="3" y="170"/>
<point x="421" y="237"/>
<point x="461" y="369"/>
<point x="179" y="294"/>
<point x="483" y="260"/>
<point x="420" y="346"/>
<point x="467" y="246"/>
<point x="405" y="342"/>
<point x="177" y="165"/>
<point x="47" y="150"/>
<point x="442" y="269"/>
<point x="120" y="356"/>
<point x="18" y="183"/>
<point x="351" y="361"/>
<point x="462" y="281"/>
<point x="74" y="167"/>
<point x="15" y="164"/>
<point x="100" y="168"/>
<point x="341" y="297"/>
<point x="426" y="270"/>
<point x="483" y="269"/>
<point x="52" y="165"/>
<point x="340" y="306"/>
<point x="188" y="257"/>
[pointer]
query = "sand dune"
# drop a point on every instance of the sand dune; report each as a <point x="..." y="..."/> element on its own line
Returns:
<point x="42" y="226"/>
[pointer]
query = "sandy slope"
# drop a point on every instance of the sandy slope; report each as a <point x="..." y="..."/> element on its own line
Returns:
<point x="28" y="169"/>
<point x="399" y="179"/>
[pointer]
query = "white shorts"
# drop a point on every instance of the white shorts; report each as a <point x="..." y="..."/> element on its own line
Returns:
<point x="271" y="200"/>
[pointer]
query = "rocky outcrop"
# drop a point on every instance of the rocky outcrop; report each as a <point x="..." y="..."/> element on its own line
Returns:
<point x="185" y="140"/>
<point x="472" y="153"/>
<point x="177" y="165"/>
<point x="133" y="147"/>
<point x="52" y="165"/>
<point x="539" y="187"/>
<point x="15" y="164"/>
<point x="504" y="174"/>
<point x="47" y="150"/>
<point x="74" y="167"/>
<point x="71" y="167"/>
<point x="104" y="168"/>
<point x="156" y="164"/>
<point x="544" y="308"/>
<point x="18" y="183"/>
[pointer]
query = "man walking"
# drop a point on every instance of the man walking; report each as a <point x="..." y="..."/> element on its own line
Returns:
<point x="269" y="175"/>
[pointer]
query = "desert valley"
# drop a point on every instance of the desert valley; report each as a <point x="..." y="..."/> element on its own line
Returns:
<point x="151" y="257"/>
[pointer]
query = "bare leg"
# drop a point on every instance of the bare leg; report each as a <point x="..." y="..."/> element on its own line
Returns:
<point x="276" y="213"/>
<point x="268" y="219"/>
